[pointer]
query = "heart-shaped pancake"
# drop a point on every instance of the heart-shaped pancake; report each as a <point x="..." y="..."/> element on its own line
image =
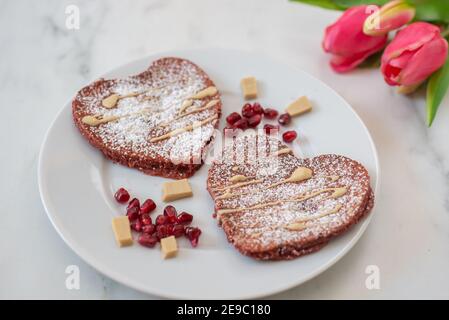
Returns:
<point x="274" y="206"/>
<point x="160" y="121"/>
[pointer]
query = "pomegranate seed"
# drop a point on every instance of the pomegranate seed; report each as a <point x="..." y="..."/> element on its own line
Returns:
<point x="170" y="229"/>
<point x="284" y="119"/>
<point x="178" y="230"/>
<point x="248" y="110"/>
<point x="184" y="218"/>
<point x="162" y="231"/>
<point x="233" y="118"/>
<point x="170" y="213"/>
<point x="161" y="220"/>
<point x="150" y="229"/>
<point x="146" y="219"/>
<point x="257" y="108"/>
<point x="269" y="128"/>
<point x="289" y="136"/>
<point x="254" y="120"/>
<point x="136" y="226"/>
<point x="214" y="215"/>
<point x="132" y="213"/>
<point x="133" y="203"/>
<point x="122" y="195"/>
<point x="193" y="234"/>
<point x="270" y="113"/>
<point x="147" y="206"/>
<point x="241" y="124"/>
<point x="147" y="240"/>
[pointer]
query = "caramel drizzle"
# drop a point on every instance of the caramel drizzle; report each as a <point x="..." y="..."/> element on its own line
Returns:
<point x="112" y="100"/>
<point x="96" y="120"/>
<point x="208" y="92"/>
<point x="187" y="103"/>
<point x="337" y="192"/>
<point x="283" y="151"/>
<point x="208" y="105"/>
<point x="185" y="129"/>
<point x="300" y="224"/>
<point x="320" y="215"/>
<point x="226" y="195"/>
<point x="240" y="184"/>
<point x="238" y="178"/>
<point x="300" y="174"/>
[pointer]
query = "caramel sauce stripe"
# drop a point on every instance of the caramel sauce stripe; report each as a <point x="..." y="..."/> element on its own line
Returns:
<point x="207" y="106"/>
<point x="336" y="192"/>
<point x="298" y="175"/>
<point x="188" y="128"/>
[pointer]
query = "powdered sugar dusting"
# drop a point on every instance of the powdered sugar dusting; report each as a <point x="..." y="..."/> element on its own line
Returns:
<point x="164" y="87"/>
<point x="263" y="229"/>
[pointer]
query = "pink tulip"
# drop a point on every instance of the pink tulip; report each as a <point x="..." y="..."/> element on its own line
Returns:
<point x="415" y="53"/>
<point x="346" y="41"/>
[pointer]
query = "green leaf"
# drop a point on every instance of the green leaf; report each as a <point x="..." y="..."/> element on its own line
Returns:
<point x="431" y="10"/>
<point x="340" y="4"/>
<point x="327" y="4"/>
<point x="436" y="89"/>
<point x="350" y="3"/>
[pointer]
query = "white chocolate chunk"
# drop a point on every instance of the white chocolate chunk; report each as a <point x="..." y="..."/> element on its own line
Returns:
<point x="175" y="190"/>
<point x="169" y="247"/>
<point x="122" y="231"/>
<point x="249" y="88"/>
<point x="299" y="106"/>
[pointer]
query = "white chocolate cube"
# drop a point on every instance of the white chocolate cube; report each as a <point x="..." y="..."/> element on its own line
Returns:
<point x="169" y="247"/>
<point x="249" y="88"/>
<point x="299" y="106"/>
<point x="122" y="231"/>
<point x="175" y="190"/>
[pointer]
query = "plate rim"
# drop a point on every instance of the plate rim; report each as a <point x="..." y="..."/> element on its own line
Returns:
<point x="98" y="266"/>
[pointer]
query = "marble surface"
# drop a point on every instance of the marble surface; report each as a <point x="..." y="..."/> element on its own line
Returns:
<point x="42" y="63"/>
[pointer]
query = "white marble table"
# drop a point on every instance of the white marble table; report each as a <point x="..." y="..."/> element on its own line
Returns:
<point x="42" y="64"/>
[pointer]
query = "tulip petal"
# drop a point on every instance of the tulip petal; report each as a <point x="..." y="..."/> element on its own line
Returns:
<point x="345" y="37"/>
<point x="391" y="74"/>
<point x="410" y="38"/>
<point x="424" y="62"/>
<point x="343" y="64"/>
<point x="401" y="61"/>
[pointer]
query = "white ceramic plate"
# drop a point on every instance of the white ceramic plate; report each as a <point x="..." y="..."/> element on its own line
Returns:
<point x="77" y="185"/>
